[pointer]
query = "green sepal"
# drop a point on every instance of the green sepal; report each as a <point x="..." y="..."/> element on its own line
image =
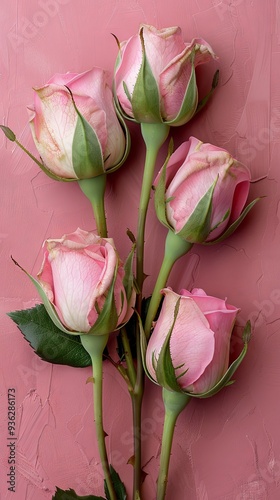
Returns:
<point x="225" y="217"/>
<point x="108" y="318"/>
<point x="145" y="99"/>
<point x="48" y="305"/>
<point x="234" y="225"/>
<point x="8" y="133"/>
<point x="160" y="189"/>
<point x="204" y="101"/>
<point x="226" y="379"/>
<point x="118" y="106"/>
<point x="127" y="140"/>
<point x="87" y="155"/>
<point x="12" y="137"/>
<point x="189" y="103"/>
<point x="165" y="371"/>
<point x="143" y="348"/>
<point x="126" y="91"/>
<point x="45" y="169"/>
<point x="48" y="341"/>
<point x="128" y="280"/>
<point x="118" y="485"/>
<point x="71" y="495"/>
<point x="197" y="228"/>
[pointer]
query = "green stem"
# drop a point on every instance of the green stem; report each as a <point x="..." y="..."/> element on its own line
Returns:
<point x="174" y="403"/>
<point x="137" y="409"/>
<point x="94" y="345"/>
<point x="175" y="247"/>
<point x="94" y="189"/>
<point x="154" y="135"/>
<point x="137" y="397"/>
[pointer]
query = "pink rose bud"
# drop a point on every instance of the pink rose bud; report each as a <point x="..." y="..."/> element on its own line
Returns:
<point x="84" y="280"/>
<point x="75" y="127"/>
<point x="201" y="192"/>
<point x="189" y="346"/>
<point x="155" y="79"/>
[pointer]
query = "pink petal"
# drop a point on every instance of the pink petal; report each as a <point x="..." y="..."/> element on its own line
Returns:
<point x="203" y="51"/>
<point x="95" y="116"/>
<point x="226" y="197"/>
<point x="115" y="145"/>
<point x="53" y="128"/>
<point x="63" y="79"/>
<point x="208" y="303"/>
<point x="174" y="81"/>
<point x="45" y="277"/>
<point x="222" y="324"/>
<point x="127" y="71"/>
<point x="241" y="192"/>
<point x="187" y="189"/>
<point x="109" y="262"/>
<point x="175" y="78"/>
<point x="177" y="159"/>
<point x="192" y="341"/>
<point x="162" y="47"/>
<point x="74" y="278"/>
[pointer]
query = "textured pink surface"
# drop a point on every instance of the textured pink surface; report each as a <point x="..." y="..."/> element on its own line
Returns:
<point x="225" y="448"/>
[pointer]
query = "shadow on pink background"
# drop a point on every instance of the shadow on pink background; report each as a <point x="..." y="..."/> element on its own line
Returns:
<point x="225" y="448"/>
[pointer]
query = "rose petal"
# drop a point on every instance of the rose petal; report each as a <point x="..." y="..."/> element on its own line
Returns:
<point x="191" y="343"/>
<point x="74" y="278"/>
<point x="222" y="324"/>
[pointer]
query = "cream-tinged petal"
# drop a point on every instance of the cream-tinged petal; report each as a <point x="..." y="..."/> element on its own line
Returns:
<point x="75" y="276"/>
<point x="53" y="128"/>
<point x="45" y="277"/>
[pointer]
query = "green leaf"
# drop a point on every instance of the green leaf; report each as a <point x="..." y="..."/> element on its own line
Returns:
<point x="145" y="97"/>
<point x="48" y="341"/>
<point x="119" y="487"/>
<point x="71" y="495"/>
<point x="189" y="103"/>
<point x="197" y="227"/>
<point x="87" y="155"/>
<point x="8" y="133"/>
<point x="235" y="224"/>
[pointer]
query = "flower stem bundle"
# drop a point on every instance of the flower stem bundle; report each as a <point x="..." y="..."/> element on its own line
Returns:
<point x="180" y="340"/>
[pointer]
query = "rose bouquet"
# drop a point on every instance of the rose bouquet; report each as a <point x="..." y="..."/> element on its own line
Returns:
<point x="181" y="341"/>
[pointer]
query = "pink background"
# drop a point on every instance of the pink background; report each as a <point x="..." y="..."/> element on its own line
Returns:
<point x="227" y="447"/>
